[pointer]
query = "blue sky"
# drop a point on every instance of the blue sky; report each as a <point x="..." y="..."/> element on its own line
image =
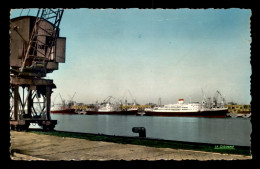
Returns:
<point x="170" y="54"/>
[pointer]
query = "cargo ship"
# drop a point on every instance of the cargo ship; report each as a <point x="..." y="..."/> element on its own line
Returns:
<point x="111" y="109"/>
<point x="107" y="108"/>
<point x="204" y="109"/>
<point x="63" y="108"/>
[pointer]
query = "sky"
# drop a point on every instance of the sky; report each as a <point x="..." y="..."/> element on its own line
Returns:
<point x="147" y="54"/>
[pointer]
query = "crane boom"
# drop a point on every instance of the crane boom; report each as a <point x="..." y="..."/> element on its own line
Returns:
<point x="60" y="97"/>
<point x="133" y="99"/>
<point x="71" y="98"/>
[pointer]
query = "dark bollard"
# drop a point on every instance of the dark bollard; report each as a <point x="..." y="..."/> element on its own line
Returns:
<point x="140" y="130"/>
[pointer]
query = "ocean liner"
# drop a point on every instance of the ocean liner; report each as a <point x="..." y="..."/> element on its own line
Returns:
<point x="203" y="109"/>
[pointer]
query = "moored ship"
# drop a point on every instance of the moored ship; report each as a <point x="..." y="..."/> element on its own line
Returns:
<point x="130" y="111"/>
<point x="129" y="108"/>
<point x="204" y="109"/>
<point x="108" y="108"/>
<point x="63" y="108"/>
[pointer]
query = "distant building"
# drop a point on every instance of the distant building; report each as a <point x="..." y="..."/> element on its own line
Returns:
<point x="150" y="105"/>
<point x="240" y="109"/>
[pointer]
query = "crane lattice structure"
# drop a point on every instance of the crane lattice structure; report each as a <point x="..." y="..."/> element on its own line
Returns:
<point x="36" y="49"/>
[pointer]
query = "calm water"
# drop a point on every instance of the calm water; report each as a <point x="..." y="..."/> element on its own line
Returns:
<point x="229" y="131"/>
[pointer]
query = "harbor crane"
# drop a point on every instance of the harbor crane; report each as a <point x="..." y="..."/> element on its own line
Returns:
<point x="71" y="98"/>
<point x="134" y="101"/>
<point x="223" y="101"/>
<point x="107" y="100"/>
<point x="35" y="50"/>
<point x="62" y="100"/>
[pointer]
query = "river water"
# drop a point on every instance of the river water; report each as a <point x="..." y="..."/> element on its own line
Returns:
<point x="228" y="131"/>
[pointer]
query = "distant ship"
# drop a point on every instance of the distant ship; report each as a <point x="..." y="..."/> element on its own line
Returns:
<point x="108" y="108"/>
<point x="129" y="108"/>
<point x="204" y="109"/>
<point x="64" y="108"/>
<point x="132" y="110"/>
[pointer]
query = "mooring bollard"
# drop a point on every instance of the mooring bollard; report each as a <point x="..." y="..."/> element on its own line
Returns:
<point x="140" y="130"/>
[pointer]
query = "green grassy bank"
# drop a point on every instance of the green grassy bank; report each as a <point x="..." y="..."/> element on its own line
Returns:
<point x="152" y="142"/>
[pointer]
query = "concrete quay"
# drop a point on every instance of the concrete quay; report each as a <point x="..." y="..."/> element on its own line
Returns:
<point x="31" y="146"/>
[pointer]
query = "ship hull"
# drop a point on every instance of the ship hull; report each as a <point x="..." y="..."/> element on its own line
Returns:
<point x="215" y="114"/>
<point x="64" y="111"/>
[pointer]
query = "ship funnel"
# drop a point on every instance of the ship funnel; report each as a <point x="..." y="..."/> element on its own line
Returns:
<point x="180" y="101"/>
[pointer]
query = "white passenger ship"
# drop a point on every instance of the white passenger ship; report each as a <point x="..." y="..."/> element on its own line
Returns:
<point x="189" y="109"/>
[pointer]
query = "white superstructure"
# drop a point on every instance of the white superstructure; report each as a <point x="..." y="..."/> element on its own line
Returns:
<point x="106" y="108"/>
<point x="178" y="107"/>
<point x="194" y="109"/>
